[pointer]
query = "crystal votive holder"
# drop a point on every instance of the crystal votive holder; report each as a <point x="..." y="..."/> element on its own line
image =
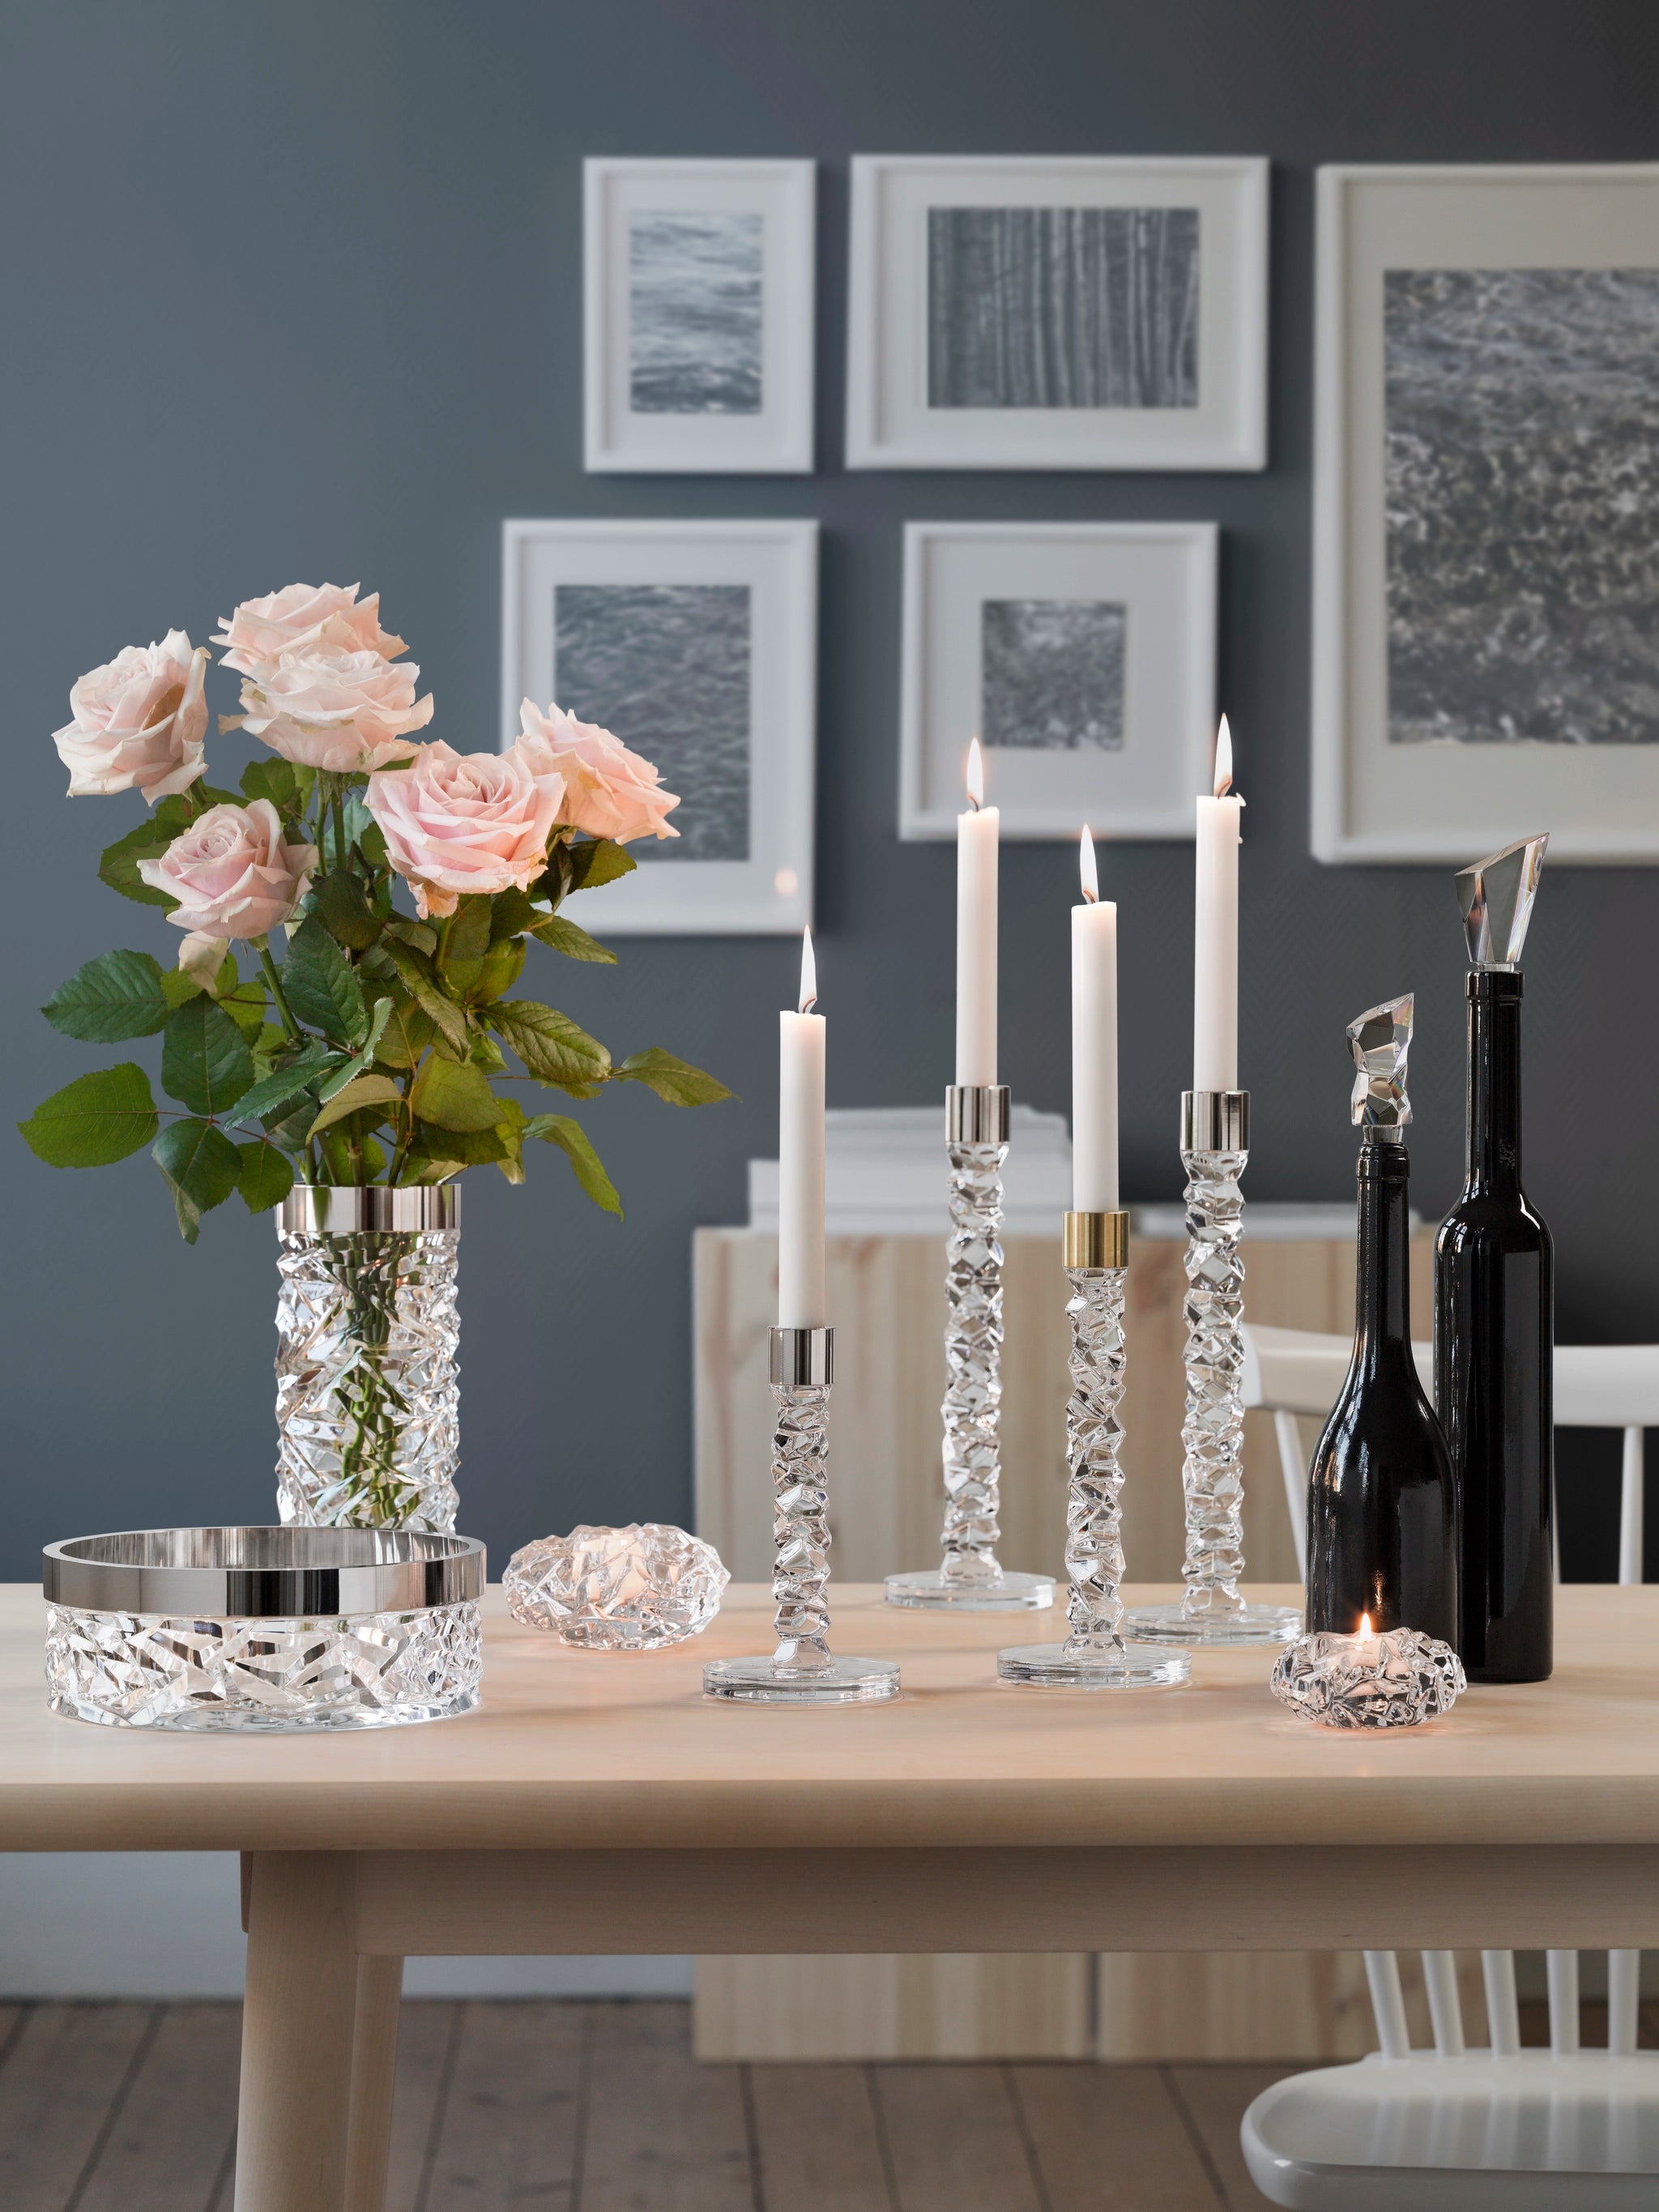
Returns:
<point x="637" y="1589"/>
<point x="1397" y="1680"/>
<point x="266" y="1630"/>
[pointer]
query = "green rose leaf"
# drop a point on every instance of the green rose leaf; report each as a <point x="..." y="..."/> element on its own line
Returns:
<point x="119" y="867"/>
<point x="463" y="943"/>
<point x="274" y="780"/>
<point x="119" y="994"/>
<point x="96" y="1119"/>
<point x="264" y="1175"/>
<point x="454" y="1094"/>
<point x="469" y="1148"/>
<point x="575" y="944"/>
<point x="499" y="970"/>
<point x="415" y="974"/>
<point x="421" y="934"/>
<point x="512" y="912"/>
<point x="549" y="1043"/>
<point x="343" y="902"/>
<point x="407" y="1034"/>
<point x="321" y="989"/>
<point x="362" y="1090"/>
<point x="205" y="1062"/>
<point x="201" y="1166"/>
<point x="364" y="1054"/>
<point x="284" y="1086"/>
<point x="572" y="1139"/>
<point x="673" y="1081"/>
<point x="596" y="860"/>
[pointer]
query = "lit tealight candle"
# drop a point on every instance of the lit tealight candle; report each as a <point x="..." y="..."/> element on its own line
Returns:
<point x="1215" y="945"/>
<point x="801" y="1037"/>
<point x="1094" y="1044"/>
<point x="977" y="834"/>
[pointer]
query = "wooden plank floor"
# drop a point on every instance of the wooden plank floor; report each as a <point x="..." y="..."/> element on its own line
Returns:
<point x="572" y="2107"/>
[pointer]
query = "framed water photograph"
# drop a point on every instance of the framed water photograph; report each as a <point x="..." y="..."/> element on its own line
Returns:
<point x="698" y="296"/>
<point x="695" y="643"/>
<point x="1063" y="313"/>
<point x="1487" y="479"/>
<point x="1082" y="655"/>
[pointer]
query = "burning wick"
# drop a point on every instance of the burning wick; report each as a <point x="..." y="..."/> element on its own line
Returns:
<point x="809" y="973"/>
<point x="1085" y="868"/>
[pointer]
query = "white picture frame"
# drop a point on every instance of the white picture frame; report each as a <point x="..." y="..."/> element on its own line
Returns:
<point x="1418" y="270"/>
<point x="909" y="390"/>
<point x="632" y="606"/>
<point x="729" y="389"/>
<point x="1145" y="671"/>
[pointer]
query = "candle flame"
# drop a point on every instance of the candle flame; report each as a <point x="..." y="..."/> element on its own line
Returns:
<point x="1224" y="760"/>
<point x="1085" y="866"/>
<point x="809" y="973"/>
<point x="1364" y="1628"/>
<point x="976" y="776"/>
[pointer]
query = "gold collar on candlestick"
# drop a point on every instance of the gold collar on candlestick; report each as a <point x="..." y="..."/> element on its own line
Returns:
<point x="1096" y="1240"/>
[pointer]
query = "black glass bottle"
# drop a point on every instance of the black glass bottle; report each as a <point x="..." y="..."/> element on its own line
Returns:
<point x="1381" y="1499"/>
<point x="1494" y="1334"/>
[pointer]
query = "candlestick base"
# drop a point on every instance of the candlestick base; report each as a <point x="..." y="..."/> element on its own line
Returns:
<point x="778" y="1682"/>
<point x="1006" y="1594"/>
<point x="1244" y="1624"/>
<point x="1056" y="1667"/>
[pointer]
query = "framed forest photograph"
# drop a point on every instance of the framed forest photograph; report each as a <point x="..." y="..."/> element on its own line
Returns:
<point x="1057" y="313"/>
<point x="1486" y="474"/>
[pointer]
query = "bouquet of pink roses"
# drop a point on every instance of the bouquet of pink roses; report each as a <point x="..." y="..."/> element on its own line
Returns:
<point x="375" y="1047"/>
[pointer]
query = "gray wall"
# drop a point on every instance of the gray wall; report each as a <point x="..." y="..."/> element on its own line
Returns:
<point x="295" y="291"/>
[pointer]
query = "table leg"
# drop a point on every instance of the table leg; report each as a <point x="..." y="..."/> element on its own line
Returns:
<point x="373" y="2070"/>
<point x="298" y="2018"/>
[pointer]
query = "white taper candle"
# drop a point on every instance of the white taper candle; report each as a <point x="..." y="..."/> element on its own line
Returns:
<point x="977" y="835"/>
<point x="1094" y="1045"/>
<point x="801" y="1039"/>
<point x="1215" y="961"/>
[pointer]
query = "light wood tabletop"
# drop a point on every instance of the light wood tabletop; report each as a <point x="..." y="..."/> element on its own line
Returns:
<point x="598" y="1803"/>
<point x="588" y="1750"/>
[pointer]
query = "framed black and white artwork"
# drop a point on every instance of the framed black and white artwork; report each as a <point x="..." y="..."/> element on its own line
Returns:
<point x="1486" y="476"/>
<point x="1057" y="313"/>
<point x="698" y="300"/>
<point x="696" y="644"/>
<point x="1081" y="654"/>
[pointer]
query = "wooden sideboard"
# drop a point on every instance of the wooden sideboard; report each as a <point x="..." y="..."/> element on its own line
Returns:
<point x="887" y="1296"/>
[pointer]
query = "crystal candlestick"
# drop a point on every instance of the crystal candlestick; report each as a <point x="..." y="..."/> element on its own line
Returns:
<point x="1095" y="1654"/>
<point x="1215" y="1137"/>
<point x="969" y="1577"/>
<point x="802" y="1671"/>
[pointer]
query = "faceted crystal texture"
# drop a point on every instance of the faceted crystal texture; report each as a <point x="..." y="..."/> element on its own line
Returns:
<point x="973" y="1365"/>
<point x="1496" y="897"/>
<point x="1094" y="1439"/>
<point x="367" y="1391"/>
<point x="800" y="1525"/>
<point x="361" y="1670"/>
<point x="1380" y="1040"/>
<point x="618" y="1590"/>
<point x="1393" y="1680"/>
<point x="1213" y="1432"/>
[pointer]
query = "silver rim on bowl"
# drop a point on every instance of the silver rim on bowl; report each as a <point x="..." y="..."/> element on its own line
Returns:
<point x="262" y="1574"/>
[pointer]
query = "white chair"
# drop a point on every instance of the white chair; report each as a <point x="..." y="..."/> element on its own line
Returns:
<point x="1295" y="1374"/>
<point x="1500" y="2129"/>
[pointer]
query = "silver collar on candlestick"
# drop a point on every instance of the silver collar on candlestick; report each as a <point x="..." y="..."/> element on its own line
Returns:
<point x="1496" y="897"/>
<point x="1215" y="1121"/>
<point x="1380" y="1040"/>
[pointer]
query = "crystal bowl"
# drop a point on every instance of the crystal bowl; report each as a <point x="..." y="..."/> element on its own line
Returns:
<point x="269" y="1630"/>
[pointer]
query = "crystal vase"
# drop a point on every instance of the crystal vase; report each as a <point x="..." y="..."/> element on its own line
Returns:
<point x="368" y="1392"/>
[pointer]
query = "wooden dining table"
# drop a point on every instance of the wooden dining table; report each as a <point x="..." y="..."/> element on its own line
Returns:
<point x="597" y="1802"/>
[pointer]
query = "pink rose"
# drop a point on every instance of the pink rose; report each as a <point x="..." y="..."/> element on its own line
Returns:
<point x="328" y="707"/>
<point x="460" y="823"/>
<point x="300" y="616"/>
<point x="609" y="791"/>
<point x="231" y="873"/>
<point x="139" y="721"/>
